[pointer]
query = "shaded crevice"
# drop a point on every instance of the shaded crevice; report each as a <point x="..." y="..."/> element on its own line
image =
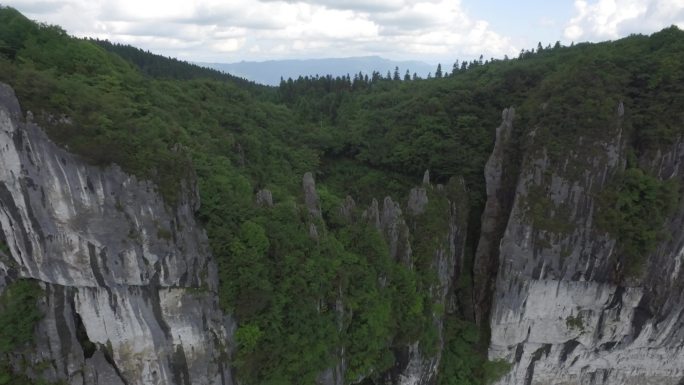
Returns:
<point x="501" y="174"/>
<point x="87" y="345"/>
<point x="151" y="295"/>
<point x="94" y="266"/>
<point x="536" y="356"/>
<point x="568" y="348"/>
<point x="13" y="211"/>
<point x="519" y="350"/>
<point x="641" y="315"/>
<point x="179" y="367"/>
<point x="63" y="329"/>
<point x="109" y="357"/>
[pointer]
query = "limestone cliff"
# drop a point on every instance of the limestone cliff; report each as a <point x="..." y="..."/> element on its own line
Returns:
<point x="563" y="311"/>
<point x="122" y="272"/>
<point x="403" y="230"/>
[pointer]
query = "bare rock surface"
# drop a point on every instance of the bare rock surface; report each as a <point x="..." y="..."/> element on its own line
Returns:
<point x="135" y="275"/>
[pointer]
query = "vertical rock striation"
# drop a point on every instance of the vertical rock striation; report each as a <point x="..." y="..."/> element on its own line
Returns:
<point x="122" y="271"/>
<point x="399" y="229"/>
<point x="413" y="365"/>
<point x="562" y="313"/>
<point x="494" y="219"/>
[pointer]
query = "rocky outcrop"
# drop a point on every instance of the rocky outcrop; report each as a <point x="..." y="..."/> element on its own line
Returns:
<point x="395" y="231"/>
<point x="494" y="219"/>
<point x="413" y="366"/>
<point x="130" y="284"/>
<point x="311" y="200"/>
<point x="561" y="313"/>
<point x="264" y="198"/>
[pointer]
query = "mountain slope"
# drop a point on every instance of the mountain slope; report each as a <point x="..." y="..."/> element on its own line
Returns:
<point x="272" y="71"/>
<point x="391" y="284"/>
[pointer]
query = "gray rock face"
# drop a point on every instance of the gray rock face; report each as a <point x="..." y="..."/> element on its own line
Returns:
<point x="395" y="231"/>
<point x="413" y="366"/>
<point x="419" y="368"/>
<point x="99" y="371"/>
<point x="133" y="274"/>
<point x="311" y="196"/>
<point x="264" y="198"/>
<point x="348" y="208"/>
<point x="494" y="219"/>
<point x="372" y="214"/>
<point x="559" y="313"/>
<point x="417" y="201"/>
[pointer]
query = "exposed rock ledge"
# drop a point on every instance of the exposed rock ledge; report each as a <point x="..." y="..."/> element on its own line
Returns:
<point x="116" y="263"/>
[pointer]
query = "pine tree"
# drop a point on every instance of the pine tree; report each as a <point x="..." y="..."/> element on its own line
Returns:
<point x="396" y="74"/>
<point x="407" y="76"/>
<point x="438" y="72"/>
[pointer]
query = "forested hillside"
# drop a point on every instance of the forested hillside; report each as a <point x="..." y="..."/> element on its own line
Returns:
<point x="364" y="136"/>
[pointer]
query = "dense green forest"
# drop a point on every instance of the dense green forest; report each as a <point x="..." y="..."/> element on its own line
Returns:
<point x="364" y="136"/>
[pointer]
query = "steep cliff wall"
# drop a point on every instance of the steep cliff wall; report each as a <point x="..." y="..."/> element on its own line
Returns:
<point x="407" y="235"/>
<point x="130" y="284"/>
<point x="494" y="219"/>
<point x="427" y="235"/>
<point x="565" y="311"/>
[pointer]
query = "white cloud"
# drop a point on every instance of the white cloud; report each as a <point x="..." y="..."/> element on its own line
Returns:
<point x="611" y="19"/>
<point x="217" y="30"/>
<point x="229" y="45"/>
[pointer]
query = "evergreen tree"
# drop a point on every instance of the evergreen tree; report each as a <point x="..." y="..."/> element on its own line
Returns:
<point x="407" y="76"/>
<point x="396" y="74"/>
<point x="455" y="68"/>
<point x="438" y="72"/>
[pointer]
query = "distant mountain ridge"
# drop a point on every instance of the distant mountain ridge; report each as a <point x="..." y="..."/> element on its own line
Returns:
<point x="269" y="72"/>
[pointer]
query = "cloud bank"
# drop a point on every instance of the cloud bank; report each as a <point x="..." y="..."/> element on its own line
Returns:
<point x="212" y="30"/>
<point x="428" y="30"/>
<point x="611" y="19"/>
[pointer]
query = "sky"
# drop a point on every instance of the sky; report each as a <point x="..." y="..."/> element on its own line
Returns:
<point x="429" y="30"/>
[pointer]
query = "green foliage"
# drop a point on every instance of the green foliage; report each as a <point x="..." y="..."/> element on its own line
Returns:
<point x="9" y="377"/>
<point x="494" y="370"/>
<point x="298" y="300"/>
<point x="461" y="363"/>
<point x="245" y="289"/>
<point x="575" y="322"/>
<point x="161" y="67"/>
<point x="633" y="209"/>
<point x="544" y="213"/>
<point x="19" y="314"/>
<point x="247" y="337"/>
